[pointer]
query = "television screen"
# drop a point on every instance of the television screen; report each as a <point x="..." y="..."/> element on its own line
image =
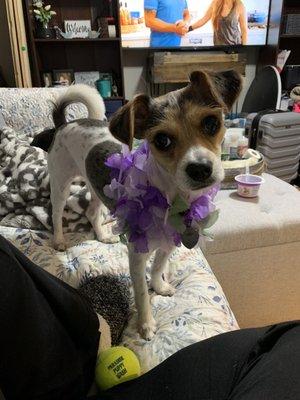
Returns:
<point x="193" y="23"/>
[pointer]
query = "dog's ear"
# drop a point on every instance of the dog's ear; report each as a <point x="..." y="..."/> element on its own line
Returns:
<point x="229" y="85"/>
<point x="217" y="89"/>
<point x="203" y="89"/>
<point x="131" y="120"/>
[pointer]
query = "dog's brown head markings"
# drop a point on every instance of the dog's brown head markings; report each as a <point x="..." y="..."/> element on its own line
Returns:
<point x="184" y="128"/>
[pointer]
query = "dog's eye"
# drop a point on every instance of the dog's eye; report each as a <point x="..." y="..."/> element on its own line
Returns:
<point x="162" y="141"/>
<point x="210" y="125"/>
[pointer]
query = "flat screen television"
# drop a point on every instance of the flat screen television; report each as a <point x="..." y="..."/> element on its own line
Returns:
<point x="201" y="23"/>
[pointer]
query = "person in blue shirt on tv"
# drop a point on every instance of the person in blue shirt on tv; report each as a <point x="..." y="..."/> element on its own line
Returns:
<point x="168" y="21"/>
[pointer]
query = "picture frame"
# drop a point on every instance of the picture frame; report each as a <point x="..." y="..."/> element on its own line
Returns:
<point x="87" y="77"/>
<point x="63" y="77"/>
<point x="47" y="79"/>
<point x="78" y="28"/>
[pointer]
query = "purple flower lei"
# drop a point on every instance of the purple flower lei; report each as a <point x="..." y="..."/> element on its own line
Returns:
<point x="141" y="210"/>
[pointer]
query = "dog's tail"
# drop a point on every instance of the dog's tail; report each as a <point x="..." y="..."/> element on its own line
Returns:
<point x="87" y="95"/>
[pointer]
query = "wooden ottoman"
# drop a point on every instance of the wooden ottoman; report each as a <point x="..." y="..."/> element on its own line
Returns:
<point x="256" y="253"/>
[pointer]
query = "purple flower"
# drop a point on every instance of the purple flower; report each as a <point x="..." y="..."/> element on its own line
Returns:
<point x="201" y="207"/>
<point x="115" y="190"/>
<point x="154" y="198"/>
<point x="120" y="163"/>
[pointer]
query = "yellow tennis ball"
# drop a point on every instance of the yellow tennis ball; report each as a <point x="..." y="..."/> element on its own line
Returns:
<point x="116" y="365"/>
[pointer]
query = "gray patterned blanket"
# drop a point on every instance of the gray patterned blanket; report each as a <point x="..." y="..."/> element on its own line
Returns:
<point x="24" y="188"/>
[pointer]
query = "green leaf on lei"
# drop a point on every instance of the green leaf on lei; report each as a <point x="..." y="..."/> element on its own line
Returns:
<point x="211" y="219"/>
<point x="177" y="222"/>
<point x="179" y="205"/>
<point x="207" y="234"/>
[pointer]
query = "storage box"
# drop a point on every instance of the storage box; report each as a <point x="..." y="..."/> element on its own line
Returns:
<point x="277" y="136"/>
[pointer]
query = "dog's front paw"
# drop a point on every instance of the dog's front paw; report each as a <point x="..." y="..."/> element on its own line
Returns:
<point x="60" y="246"/>
<point x="162" y="287"/>
<point x="147" y="329"/>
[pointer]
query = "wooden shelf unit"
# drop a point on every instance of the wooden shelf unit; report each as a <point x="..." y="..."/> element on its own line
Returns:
<point x="101" y="54"/>
<point x="289" y="41"/>
<point x="277" y="39"/>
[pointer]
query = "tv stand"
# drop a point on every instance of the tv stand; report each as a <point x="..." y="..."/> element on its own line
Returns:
<point x="230" y="51"/>
<point x="175" y="67"/>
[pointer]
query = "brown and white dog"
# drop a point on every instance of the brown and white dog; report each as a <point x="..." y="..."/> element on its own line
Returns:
<point x="184" y="130"/>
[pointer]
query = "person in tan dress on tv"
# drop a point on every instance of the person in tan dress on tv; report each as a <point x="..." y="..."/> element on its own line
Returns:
<point x="229" y="22"/>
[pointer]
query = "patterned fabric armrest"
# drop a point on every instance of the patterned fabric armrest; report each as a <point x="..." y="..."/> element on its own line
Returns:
<point x="2" y="122"/>
<point x="30" y="110"/>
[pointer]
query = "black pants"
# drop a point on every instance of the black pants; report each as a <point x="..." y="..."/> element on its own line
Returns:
<point x="48" y="333"/>
<point x="49" y="339"/>
<point x="250" y="364"/>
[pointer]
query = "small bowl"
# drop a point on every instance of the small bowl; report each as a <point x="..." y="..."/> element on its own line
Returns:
<point x="67" y="35"/>
<point x="93" y="34"/>
<point x="248" y="185"/>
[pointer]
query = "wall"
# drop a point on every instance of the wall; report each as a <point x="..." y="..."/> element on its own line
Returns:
<point x="252" y="58"/>
<point x="6" y="61"/>
<point x="135" y="71"/>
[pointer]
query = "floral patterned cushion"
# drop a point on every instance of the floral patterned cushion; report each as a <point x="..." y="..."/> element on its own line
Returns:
<point x="198" y="309"/>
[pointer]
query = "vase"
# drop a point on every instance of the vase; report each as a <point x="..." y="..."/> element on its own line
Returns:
<point x="44" y="31"/>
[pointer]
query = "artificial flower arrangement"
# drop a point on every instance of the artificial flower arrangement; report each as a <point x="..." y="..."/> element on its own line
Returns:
<point x="43" y="14"/>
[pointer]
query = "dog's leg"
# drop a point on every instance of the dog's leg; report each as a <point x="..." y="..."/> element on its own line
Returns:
<point x="137" y="265"/>
<point x="95" y="214"/>
<point x="160" y="285"/>
<point x="58" y="200"/>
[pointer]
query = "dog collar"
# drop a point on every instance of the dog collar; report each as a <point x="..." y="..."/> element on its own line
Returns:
<point x="143" y="214"/>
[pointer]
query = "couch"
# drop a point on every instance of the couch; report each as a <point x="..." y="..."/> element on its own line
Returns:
<point x="255" y="254"/>
<point x="199" y="308"/>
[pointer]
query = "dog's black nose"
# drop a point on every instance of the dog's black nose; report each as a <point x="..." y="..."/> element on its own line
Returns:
<point x="200" y="171"/>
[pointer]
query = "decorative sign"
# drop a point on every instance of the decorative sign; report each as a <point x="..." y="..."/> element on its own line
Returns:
<point x="78" y="28"/>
